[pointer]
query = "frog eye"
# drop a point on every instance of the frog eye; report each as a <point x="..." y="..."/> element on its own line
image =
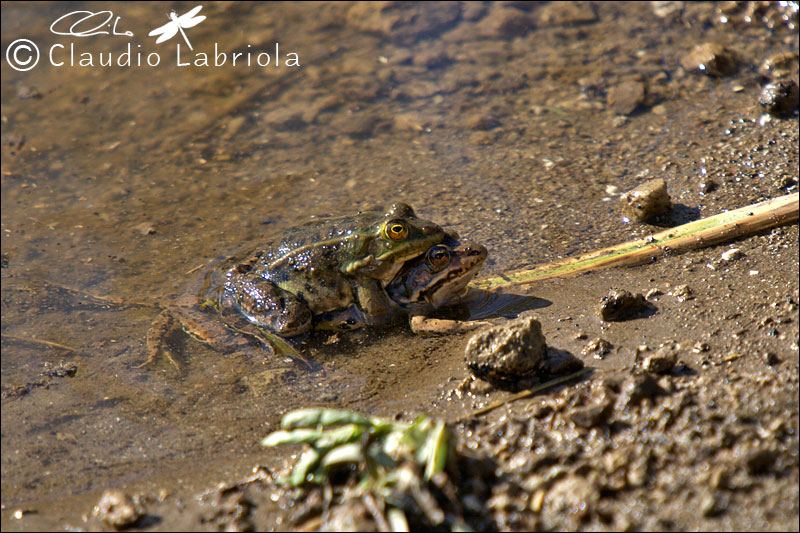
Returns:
<point x="396" y="230"/>
<point x="439" y="256"/>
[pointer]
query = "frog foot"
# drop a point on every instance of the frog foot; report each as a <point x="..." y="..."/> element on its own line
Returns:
<point x="156" y="344"/>
<point x="424" y="325"/>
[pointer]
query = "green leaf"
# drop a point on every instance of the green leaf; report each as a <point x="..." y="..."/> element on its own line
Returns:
<point x="346" y="453"/>
<point x="291" y="437"/>
<point x="437" y="448"/>
<point x="339" y="436"/>
<point x="321" y="417"/>
<point x="307" y="462"/>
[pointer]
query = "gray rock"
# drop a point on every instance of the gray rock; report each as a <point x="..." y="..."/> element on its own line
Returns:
<point x="647" y="200"/>
<point x="507" y="353"/>
<point x="627" y="97"/>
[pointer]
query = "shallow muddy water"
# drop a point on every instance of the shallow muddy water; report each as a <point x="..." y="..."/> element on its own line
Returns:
<point x="515" y="124"/>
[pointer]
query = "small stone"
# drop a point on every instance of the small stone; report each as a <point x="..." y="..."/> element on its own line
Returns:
<point x="404" y="22"/>
<point x="710" y="504"/>
<point x="360" y="126"/>
<point x="601" y="405"/>
<point x="663" y="9"/>
<point x="504" y="23"/>
<point x="779" y="66"/>
<point x="145" y="228"/>
<point x="567" y="14"/>
<point x="411" y="122"/>
<point x="505" y="354"/>
<point x="28" y="92"/>
<point x="662" y="360"/>
<point x="700" y="347"/>
<point x="285" y="119"/>
<point x="780" y="98"/>
<point x="597" y="348"/>
<point x="619" y="305"/>
<point x="760" y="461"/>
<point x="708" y="186"/>
<point x="636" y="388"/>
<point x="559" y="362"/>
<point x="772" y="359"/>
<point x="660" y="110"/>
<point x="480" y="121"/>
<point x="647" y="200"/>
<point x="432" y="58"/>
<point x="117" y="510"/>
<point x="568" y="502"/>
<point x="619" y="121"/>
<point x="627" y="97"/>
<point x="731" y="255"/>
<point x="710" y="59"/>
<point x="652" y="293"/>
<point x="682" y="293"/>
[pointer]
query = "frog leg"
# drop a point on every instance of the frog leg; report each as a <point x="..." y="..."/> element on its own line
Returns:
<point x="375" y="305"/>
<point x="342" y="320"/>
<point x="276" y="344"/>
<point x="425" y="325"/>
<point x="156" y="342"/>
<point x="266" y="305"/>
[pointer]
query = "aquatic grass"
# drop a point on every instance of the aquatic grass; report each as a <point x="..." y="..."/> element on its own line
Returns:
<point x="392" y="461"/>
<point x="708" y="231"/>
<point x="338" y="437"/>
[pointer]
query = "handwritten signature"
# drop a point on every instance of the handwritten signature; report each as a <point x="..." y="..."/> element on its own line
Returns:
<point x="87" y="18"/>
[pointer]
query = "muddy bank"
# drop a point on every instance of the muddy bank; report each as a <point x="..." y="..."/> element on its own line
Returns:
<point x="516" y="125"/>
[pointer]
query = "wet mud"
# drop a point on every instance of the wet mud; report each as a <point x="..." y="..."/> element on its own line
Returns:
<point x="516" y="124"/>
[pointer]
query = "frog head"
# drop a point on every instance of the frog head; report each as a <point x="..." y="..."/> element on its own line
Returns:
<point x="397" y="236"/>
<point x="439" y="276"/>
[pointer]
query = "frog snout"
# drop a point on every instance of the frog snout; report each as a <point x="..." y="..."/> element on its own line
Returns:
<point x="474" y="250"/>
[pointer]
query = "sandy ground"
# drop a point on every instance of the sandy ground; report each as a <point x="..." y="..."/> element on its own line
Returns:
<point x="517" y="125"/>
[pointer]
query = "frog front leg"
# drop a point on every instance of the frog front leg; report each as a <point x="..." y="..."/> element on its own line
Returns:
<point x="422" y="324"/>
<point x="375" y="305"/>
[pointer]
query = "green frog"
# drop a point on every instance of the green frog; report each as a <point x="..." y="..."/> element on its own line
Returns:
<point x="334" y="267"/>
<point x="437" y="279"/>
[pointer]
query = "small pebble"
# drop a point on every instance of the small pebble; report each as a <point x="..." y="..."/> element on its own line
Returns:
<point x="647" y="200"/>
<point x="619" y="305"/>
<point x="732" y="254"/>
<point x="627" y="97"/>
<point x="597" y="348"/>
<point x="652" y="293"/>
<point x="662" y="360"/>
<point x="780" y="98"/>
<point x="710" y="59"/>
<point x="117" y="510"/>
<point x="682" y="293"/>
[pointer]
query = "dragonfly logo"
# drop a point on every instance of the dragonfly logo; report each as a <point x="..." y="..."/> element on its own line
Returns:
<point x="23" y="54"/>
<point x="177" y="24"/>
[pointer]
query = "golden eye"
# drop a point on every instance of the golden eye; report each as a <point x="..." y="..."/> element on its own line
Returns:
<point x="396" y="230"/>
<point x="439" y="256"/>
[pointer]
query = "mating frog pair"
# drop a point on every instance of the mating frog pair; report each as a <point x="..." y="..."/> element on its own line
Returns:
<point x="331" y="273"/>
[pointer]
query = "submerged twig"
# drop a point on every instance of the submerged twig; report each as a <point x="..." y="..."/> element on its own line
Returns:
<point x="525" y="394"/>
<point x="698" y="234"/>
<point x="39" y="341"/>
